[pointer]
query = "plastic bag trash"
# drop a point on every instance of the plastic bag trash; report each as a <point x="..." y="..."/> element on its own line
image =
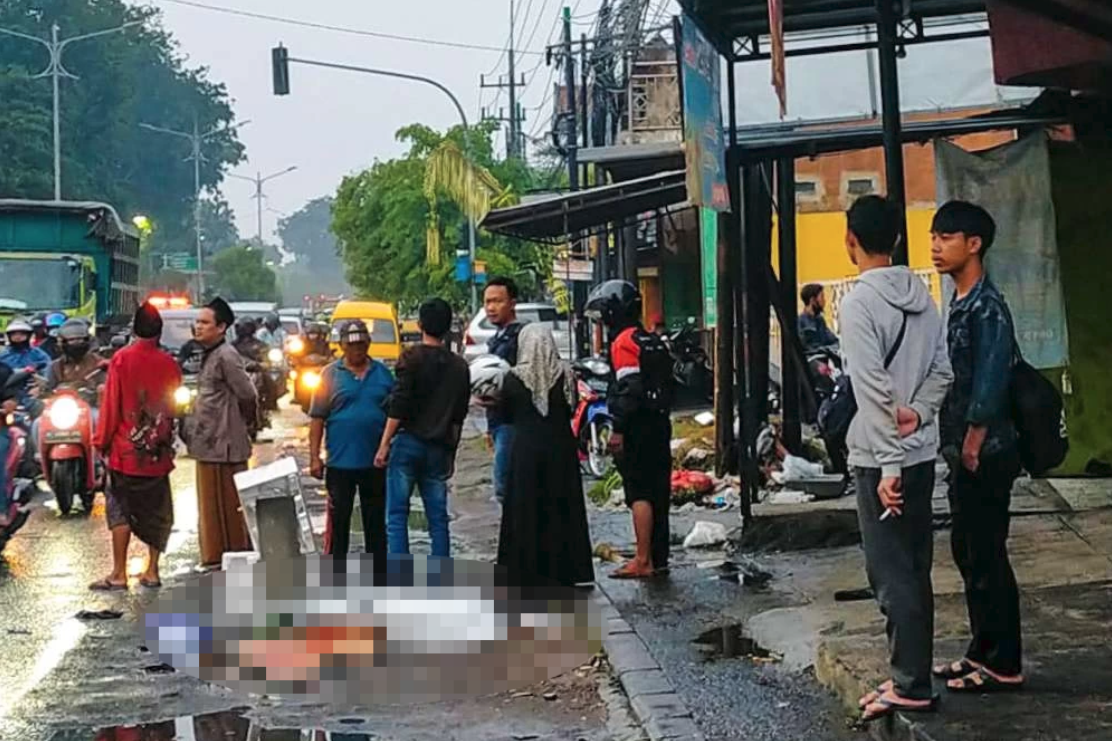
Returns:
<point x="797" y="469"/>
<point x="705" y="534"/>
<point x="789" y="496"/>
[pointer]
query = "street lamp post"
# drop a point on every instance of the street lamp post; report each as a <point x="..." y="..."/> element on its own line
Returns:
<point x="259" y="180"/>
<point x="196" y="139"/>
<point x="285" y="59"/>
<point x="56" y="47"/>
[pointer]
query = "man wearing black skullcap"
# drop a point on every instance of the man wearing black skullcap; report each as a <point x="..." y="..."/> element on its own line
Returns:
<point x="135" y="435"/>
<point x="218" y="436"/>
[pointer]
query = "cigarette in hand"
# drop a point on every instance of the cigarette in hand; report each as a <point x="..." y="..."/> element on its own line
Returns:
<point x="886" y="515"/>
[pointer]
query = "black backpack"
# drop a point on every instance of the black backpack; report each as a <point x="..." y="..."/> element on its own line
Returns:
<point x="656" y="371"/>
<point x="1040" y="419"/>
<point x="838" y="410"/>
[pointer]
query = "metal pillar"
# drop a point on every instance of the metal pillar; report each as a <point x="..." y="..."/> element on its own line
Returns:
<point x="758" y="256"/>
<point x="726" y="256"/>
<point x="890" y="107"/>
<point x="629" y="253"/>
<point x="789" y="373"/>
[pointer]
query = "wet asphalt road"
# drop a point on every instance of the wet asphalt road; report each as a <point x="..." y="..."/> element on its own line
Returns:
<point x="66" y="679"/>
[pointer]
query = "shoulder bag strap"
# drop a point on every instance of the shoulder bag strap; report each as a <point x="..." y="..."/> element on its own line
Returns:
<point x="891" y="356"/>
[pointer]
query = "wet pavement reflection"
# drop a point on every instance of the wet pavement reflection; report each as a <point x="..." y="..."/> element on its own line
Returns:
<point x="231" y="725"/>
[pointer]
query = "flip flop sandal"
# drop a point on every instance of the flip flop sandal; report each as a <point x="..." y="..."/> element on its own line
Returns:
<point x="104" y="585"/>
<point x="955" y="670"/>
<point x="624" y="574"/>
<point x="875" y="695"/>
<point x="888" y="707"/>
<point x="982" y="682"/>
<point x="150" y="583"/>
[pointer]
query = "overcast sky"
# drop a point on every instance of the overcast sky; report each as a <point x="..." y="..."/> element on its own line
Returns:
<point x="335" y="123"/>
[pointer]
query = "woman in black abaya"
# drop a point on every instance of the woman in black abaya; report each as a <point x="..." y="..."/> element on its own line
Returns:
<point x="544" y="537"/>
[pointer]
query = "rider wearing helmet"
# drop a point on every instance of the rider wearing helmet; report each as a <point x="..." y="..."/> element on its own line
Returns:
<point x="640" y="403"/>
<point x="19" y="353"/>
<point x="316" y="340"/>
<point x="247" y="343"/>
<point x="79" y="364"/>
<point x="272" y="332"/>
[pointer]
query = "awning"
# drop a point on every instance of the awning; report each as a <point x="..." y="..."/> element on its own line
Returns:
<point x="633" y="161"/>
<point x="559" y="217"/>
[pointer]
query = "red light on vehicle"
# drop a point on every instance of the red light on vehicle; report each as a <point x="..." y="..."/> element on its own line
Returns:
<point x="179" y="302"/>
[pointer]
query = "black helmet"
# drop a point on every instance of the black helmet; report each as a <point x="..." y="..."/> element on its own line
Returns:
<point x="616" y="303"/>
<point x="316" y="328"/>
<point x="246" y="327"/>
<point x="272" y="321"/>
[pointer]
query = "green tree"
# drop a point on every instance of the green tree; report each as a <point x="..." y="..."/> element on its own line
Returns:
<point x="380" y="218"/>
<point x="308" y="234"/>
<point x="240" y="274"/>
<point x="125" y="79"/>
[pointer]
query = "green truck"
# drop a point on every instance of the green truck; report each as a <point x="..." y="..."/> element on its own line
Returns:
<point x="78" y="258"/>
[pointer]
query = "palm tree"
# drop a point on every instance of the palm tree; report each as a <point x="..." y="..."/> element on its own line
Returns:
<point x="470" y="186"/>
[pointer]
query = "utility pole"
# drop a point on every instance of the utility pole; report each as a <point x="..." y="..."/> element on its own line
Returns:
<point x="196" y="140"/>
<point x="55" y="70"/>
<point x="572" y="114"/>
<point x="258" y="181"/>
<point x="514" y="143"/>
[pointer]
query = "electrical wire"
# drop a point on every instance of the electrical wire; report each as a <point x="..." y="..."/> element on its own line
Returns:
<point x="341" y="29"/>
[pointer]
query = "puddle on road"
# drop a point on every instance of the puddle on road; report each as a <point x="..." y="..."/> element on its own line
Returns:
<point x="730" y="642"/>
<point x="226" y="726"/>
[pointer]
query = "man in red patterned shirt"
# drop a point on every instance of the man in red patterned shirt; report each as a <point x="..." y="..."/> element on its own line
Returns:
<point x="136" y="436"/>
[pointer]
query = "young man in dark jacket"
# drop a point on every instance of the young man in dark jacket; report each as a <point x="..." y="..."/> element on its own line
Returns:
<point x="979" y="444"/>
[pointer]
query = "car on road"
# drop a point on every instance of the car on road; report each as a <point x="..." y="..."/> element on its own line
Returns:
<point x="480" y="330"/>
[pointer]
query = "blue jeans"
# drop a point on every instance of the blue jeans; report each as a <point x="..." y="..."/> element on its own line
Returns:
<point x="503" y="443"/>
<point x="416" y="463"/>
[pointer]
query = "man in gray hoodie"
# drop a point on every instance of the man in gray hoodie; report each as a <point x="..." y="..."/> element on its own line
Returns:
<point x="894" y="344"/>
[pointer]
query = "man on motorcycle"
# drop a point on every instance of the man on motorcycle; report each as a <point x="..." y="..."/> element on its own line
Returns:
<point x="316" y="340"/>
<point x="254" y="350"/>
<point x="79" y="368"/>
<point x="272" y="332"/>
<point x="7" y="406"/>
<point x="20" y="355"/>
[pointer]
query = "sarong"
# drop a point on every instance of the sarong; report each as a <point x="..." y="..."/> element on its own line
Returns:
<point x="142" y="503"/>
<point x="221" y="526"/>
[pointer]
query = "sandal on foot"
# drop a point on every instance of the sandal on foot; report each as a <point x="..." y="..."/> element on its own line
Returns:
<point x="104" y="585"/>
<point x="626" y="572"/>
<point x="150" y="583"/>
<point x="890" y="703"/>
<point x="982" y="681"/>
<point x="873" y="696"/>
<point x="956" y="669"/>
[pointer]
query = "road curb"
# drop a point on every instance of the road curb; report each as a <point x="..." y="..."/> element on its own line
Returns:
<point x="653" y="698"/>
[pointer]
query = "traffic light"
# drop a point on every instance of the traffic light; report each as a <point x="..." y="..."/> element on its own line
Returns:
<point x="280" y="66"/>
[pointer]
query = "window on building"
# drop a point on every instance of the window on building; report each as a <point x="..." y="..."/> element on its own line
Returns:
<point x="858" y="187"/>
<point x="806" y="188"/>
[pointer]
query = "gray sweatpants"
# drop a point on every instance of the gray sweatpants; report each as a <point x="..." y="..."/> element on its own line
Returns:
<point x="898" y="555"/>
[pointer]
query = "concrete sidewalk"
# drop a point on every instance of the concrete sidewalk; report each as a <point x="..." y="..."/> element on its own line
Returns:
<point x="1061" y="550"/>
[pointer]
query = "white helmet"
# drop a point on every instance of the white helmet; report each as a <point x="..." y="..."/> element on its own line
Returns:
<point x="487" y="373"/>
<point x="18" y="325"/>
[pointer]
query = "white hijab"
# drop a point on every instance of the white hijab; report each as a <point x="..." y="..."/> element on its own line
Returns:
<point x="540" y="367"/>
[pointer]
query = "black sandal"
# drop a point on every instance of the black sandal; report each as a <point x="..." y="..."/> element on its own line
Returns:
<point x="955" y="670"/>
<point x="982" y="682"/>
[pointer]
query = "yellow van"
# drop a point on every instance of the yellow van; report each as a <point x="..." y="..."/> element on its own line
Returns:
<point x="381" y="320"/>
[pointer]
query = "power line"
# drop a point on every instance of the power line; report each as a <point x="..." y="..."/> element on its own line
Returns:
<point x="341" y="29"/>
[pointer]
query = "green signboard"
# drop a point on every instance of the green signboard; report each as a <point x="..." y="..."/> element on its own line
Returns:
<point x="708" y="253"/>
<point x="182" y="262"/>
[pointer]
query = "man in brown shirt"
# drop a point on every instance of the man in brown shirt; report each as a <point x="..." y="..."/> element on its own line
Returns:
<point x="218" y="436"/>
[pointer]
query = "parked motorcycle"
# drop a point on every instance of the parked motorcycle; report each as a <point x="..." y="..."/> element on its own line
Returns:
<point x="19" y="467"/>
<point x="591" y="423"/>
<point x="693" y="369"/>
<point x="69" y="462"/>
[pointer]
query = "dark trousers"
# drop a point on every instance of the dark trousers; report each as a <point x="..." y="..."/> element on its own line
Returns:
<point x="646" y="469"/>
<point x="898" y="556"/>
<point x="370" y="484"/>
<point x="979" y="503"/>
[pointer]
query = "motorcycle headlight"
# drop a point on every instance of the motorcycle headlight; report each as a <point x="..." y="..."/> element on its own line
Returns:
<point x="296" y="345"/>
<point x="310" y="380"/>
<point x="182" y="396"/>
<point x="275" y="355"/>
<point x="64" y="413"/>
